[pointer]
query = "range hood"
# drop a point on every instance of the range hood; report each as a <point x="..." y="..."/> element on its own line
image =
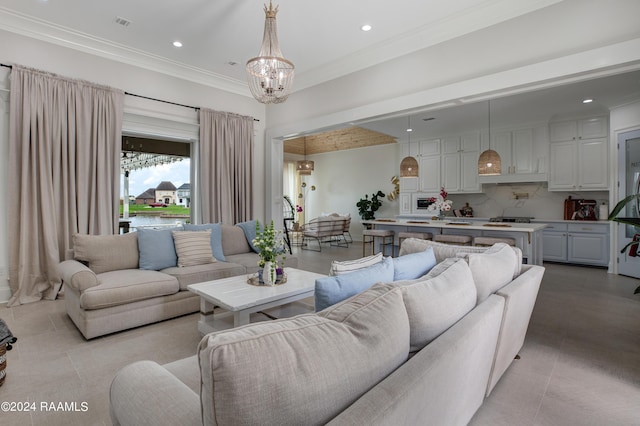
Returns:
<point x="515" y="178"/>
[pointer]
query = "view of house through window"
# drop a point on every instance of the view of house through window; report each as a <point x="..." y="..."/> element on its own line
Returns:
<point x="155" y="182"/>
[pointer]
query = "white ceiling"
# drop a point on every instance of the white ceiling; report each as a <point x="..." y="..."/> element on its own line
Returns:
<point x="323" y="39"/>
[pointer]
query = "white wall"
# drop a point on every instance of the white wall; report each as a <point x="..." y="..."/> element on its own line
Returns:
<point x="343" y="177"/>
<point x="70" y="63"/>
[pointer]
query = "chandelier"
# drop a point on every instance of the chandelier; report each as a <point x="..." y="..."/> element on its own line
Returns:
<point x="305" y="167"/>
<point x="409" y="165"/>
<point x="489" y="162"/>
<point x="270" y="76"/>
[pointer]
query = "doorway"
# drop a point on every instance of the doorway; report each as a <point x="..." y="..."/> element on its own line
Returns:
<point x="629" y="180"/>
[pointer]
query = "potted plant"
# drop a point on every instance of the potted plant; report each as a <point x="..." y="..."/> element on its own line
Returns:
<point x="367" y="207"/>
<point x="633" y="221"/>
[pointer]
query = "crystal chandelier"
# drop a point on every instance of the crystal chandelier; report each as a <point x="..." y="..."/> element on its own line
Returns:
<point x="270" y="76"/>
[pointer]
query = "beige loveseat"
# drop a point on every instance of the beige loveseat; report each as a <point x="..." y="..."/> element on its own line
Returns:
<point x="107" y="291"/>
<point x="424" y="351"/>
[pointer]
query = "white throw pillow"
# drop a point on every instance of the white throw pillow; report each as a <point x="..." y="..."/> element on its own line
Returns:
<point x="343" y="267"/>
<point x="492" y="269"/>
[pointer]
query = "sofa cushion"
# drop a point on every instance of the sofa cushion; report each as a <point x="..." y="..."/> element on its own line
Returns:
<point x="126" y="286"/>
<point x="250" y="232"/>
<point x="157" y="249"/>
<point x="103" y="253"/>
<point x="345" y="266"/>
<point x="293" y="371"/>
<point x="436" y="302"/>
<point x="202" y="273"/>
<point x="234" y="240"/>
<point x="193" y="247"/>
<point x="331" y="290"/>
<point x="414" y="265"/>
<point x="492" y="269"/>
<point x="216" y="237"/>
<point x="441" y="251"/>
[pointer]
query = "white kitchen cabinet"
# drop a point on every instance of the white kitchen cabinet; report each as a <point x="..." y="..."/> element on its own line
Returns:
<point x="429" y="169"/>
<point x="516" y="151"/>
<point x="460" y="163"/>
<point x="405" y="203"/>
<point x="584" y="243"/>
<point x="579" y="152"/>
<point x="588" y="128"/>
<point x="579" y="165"/>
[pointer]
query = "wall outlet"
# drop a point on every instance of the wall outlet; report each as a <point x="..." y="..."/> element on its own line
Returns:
<point x="520" y="195"/>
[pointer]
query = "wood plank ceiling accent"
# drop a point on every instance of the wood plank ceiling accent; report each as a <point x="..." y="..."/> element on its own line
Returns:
<point x="337" y="140"/>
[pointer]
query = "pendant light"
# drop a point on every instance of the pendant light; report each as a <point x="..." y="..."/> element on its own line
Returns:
<point x="489" y="163"/>
<point x="409" y="165"/>
<point x="270" y="75"/>
<point x="305" y="167"/>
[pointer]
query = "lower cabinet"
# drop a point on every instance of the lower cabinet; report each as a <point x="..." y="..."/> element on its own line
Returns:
<point x="584" y="243"/>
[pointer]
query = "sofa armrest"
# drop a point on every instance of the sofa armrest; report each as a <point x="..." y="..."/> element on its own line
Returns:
<point x="77" y="275"/>
<point x="520" y="297"/>
<point x="144" y="393"/>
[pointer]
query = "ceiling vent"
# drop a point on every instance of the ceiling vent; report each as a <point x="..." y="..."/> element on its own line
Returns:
<point x="122" y="21"/>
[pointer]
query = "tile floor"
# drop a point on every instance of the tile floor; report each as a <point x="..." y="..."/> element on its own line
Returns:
<point x="580" y="362"/>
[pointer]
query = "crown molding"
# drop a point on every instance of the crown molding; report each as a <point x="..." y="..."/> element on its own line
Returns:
<point x="45" y="31"/>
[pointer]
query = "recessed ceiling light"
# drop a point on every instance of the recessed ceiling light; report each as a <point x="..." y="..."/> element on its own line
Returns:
<point x="409" y="129"/>
<point x="366" y="27"/>
<point x="177" y="44"/>
<point x="587" y="101"/>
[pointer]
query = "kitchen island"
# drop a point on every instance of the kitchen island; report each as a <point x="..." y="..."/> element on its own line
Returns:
<point x="528" y="236"/>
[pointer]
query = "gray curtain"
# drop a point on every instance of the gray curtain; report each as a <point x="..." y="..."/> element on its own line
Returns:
<point x="64" y="174"/>
<point x="226" y="163"/>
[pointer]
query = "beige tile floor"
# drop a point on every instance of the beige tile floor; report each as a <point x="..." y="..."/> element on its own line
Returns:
<point x="580" y="363"/>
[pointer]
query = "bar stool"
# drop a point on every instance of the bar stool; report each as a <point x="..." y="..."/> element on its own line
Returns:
<point x="489" y="241"/>
<point x="461" y="240"/>
<point x="419" y="235"/>
<point x="385" y="234"/>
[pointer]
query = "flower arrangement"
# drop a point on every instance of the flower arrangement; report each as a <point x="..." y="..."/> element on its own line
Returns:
<point x="270" y="244"/>
<point x="440" y="203"/>
<point x="271" y="247"/>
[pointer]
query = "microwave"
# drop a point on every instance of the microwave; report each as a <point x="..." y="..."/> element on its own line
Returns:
<point x="423" y="203"/>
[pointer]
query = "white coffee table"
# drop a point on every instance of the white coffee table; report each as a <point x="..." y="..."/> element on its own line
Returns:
<point x="242" y="299"/>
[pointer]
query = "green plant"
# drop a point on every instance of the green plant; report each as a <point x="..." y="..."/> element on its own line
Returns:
<point x="633" y="221"/>
<point x="367" y="207"/>
<point x="270" y="244"/>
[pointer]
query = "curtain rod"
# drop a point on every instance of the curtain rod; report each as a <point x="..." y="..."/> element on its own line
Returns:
<point x="144" y="97"/>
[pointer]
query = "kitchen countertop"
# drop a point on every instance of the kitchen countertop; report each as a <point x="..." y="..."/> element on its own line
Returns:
<point x="457" y="223"/>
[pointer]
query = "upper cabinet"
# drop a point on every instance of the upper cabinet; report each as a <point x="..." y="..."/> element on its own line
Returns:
<point x="579" y="155"/>
<point x="427" y="153"/>
<point x="460" y="163"/>
<point x="523" y="154"/>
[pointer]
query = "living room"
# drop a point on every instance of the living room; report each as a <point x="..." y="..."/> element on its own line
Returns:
<point x="541" y="49"/>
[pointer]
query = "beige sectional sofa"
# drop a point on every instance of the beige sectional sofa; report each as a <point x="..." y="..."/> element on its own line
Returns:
<point x="117" y="282"/>
<point x="421" y="351"/>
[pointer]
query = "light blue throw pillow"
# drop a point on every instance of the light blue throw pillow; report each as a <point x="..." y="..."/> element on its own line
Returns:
<point x="156" y="248"/>
<point x="249" y="229"/>
<point x="414" y="265"/>
<point x="333" y="289"/>
<point x="216" y="237"/>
